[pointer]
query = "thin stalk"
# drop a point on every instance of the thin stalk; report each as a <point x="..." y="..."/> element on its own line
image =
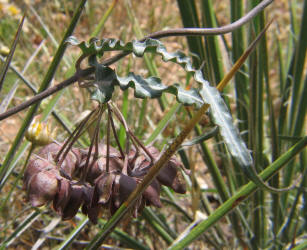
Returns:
<point x="115" y="134"/>
<point x="108" y="140"/>
<point x="241" y="80"/>
<point x="94" y="143"/>
<point x="300" y="61"/>
<point x="73" y="137"/>
<point x="258" y="63"/>
<point x="125" y="106"/>
<point x="213" y="52"/>
<point x="128" y="131"/>
<point x="213" y="31"/>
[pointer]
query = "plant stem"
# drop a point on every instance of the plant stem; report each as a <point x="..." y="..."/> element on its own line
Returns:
<point x="172" y="32"/>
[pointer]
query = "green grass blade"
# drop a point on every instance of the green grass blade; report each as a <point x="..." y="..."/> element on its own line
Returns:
<point x="241" y="80"/>
<point x="242" y="194"/>
<point x="293" y="78"/>
<point x="213" y="52"/>
<point x="300" y="62"/>
<point x="301" y="246"/>
<point x="301" y="112"/>
<point x="163" y="123"/>
<point x="11" y="53"/>
<point x="163" y="230"/>
<point x="294" y="81"/>
<point x="128" y="240"/>
<point x="21" y="228"/>
<point x="73" y="234"/>
<point x="104" y="18"/>
<point x="189" y="18"/>
<point x="10" y="95"/>
<point x="257" y="72"/>
<point x="288" y="232"/>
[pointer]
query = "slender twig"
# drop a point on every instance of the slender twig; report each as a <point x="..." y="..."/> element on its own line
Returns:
<point x="172" y="32"/>
<point x="115" y="134"/>
<point x="198" y="31"/>
<point x="70" y="140"/>
<point x="211" y="31"/>
<point x="134" y="139"/>
<point x="47" y="92"/>
<point x="108" y="140"/>
<point x="93" y="143"/>
<point x="96" y="146"/>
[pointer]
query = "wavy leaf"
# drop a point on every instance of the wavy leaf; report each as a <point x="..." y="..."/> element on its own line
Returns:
<point x="152" y="87"/>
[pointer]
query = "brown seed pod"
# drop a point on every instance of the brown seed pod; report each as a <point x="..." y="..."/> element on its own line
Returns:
<point x="152" y="194"/>
<point x="35" y="166"/>
<point x="62" y="196"/>
<point x="123" y="187"/>
<point x="171" y="176"/>
<point x="76" y="199"/>
<point x="103" y="189"/>
<point x="42" y="187"/>
<point x="64" y="183"/>
<point x="99" y="167"/>
<point x="72" y="159"/>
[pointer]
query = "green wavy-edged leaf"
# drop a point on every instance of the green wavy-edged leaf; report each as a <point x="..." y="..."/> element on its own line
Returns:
<point x="105" y="79"/>
<point x="152" y="87"/>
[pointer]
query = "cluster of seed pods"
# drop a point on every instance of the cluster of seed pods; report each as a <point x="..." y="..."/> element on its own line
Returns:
<point x="72" y="182"/>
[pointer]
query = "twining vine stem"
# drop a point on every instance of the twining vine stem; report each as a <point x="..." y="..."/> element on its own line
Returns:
<point x="156" y="35"/>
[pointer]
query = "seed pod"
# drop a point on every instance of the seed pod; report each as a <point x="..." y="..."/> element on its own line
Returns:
<point x="34" y="167"/>
<point x="99" y="167"/>
<point x="123" y="187"/>
<point x="62" y="196"/>
<point x="171" y="176"/>
<point x="141" y="166"/>
<point x="92" y="212"/>
<point x="69" y="164"/>
<point x="103" y="189"/>
<point x="152" y="194"/>
<point x="42" y="187"/>
<point x="74" y="202"/>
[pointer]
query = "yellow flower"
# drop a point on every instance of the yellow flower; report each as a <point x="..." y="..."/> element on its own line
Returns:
<point x="4" y="50"/>
<point x="13" y="10"/>
<point x="39" y="133"/>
